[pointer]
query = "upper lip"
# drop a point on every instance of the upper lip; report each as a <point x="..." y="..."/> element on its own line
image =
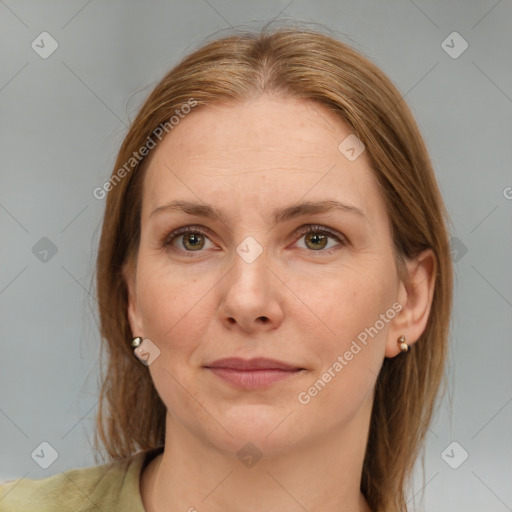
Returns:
<point x="259" y="363"/>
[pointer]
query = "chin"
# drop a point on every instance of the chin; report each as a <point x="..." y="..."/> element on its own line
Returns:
<point x="264" y="426"/>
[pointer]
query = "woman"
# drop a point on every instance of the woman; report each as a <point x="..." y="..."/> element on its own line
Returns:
<point x="274" y="254"/>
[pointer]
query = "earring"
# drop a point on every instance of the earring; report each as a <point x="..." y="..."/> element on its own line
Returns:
<point x="403" y="346"/>
<point x="136" y="342"/>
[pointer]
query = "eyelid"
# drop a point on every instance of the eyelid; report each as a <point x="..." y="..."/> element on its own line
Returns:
<point x="306" y="228"/>
<point x="168" y="238"/>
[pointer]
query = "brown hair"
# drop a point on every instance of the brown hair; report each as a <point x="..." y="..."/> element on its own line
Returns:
<point x="306" y="64"/>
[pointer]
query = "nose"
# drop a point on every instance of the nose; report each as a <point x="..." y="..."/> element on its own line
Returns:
<point x="252" y="296"/>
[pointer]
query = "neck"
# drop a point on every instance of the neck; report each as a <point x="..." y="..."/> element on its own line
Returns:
<point x="193" y="475"/>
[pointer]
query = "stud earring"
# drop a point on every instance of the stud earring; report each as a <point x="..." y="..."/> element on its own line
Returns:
<point x="403" y="346"/>
<point x="136" y="342"/>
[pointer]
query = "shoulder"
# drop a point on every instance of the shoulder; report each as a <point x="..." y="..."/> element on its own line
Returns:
<point x="109" y="487"/>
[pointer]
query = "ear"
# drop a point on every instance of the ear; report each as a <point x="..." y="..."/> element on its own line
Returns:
<point x="415" y="296"/>
<point x="134" y="318"/>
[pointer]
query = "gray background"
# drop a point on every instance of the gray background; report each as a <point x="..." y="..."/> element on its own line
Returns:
<point x="62" y="120"/>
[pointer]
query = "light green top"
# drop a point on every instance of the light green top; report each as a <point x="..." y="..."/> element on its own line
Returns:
<point x="112" y="487"/>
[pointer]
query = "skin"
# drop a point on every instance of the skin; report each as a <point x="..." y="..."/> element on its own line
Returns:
<point x="295" y="302"/>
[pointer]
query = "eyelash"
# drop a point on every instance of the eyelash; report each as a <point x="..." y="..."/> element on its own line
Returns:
<point x="302" y="231"/>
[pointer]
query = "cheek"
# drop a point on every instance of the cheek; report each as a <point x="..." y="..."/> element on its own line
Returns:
<point x="355" y="310"/>
<point x="175" y="316"/>
<point x="173" y="306"/>
<point x="345" y="302"/>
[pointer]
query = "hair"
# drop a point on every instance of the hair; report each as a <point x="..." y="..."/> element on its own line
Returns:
<point x="306" y="64"/>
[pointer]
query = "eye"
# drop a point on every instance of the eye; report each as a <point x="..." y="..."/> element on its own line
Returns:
<point x="316" y="238"/>
<point x="192" y="239"/>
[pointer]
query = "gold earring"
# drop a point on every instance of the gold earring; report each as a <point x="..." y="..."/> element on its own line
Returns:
<point x="403" y="346"/>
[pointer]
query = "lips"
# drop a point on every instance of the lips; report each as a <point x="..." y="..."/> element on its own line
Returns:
<point x="260" y="363"/>
<point x="253" y="373"/>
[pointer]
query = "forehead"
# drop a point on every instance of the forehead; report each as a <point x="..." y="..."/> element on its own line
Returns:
<point x="261" y="153"/>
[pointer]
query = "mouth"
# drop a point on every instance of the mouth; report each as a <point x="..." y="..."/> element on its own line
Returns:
<point x="252" y="373"/>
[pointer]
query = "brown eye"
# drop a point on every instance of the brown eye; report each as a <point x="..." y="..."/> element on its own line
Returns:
<point x="317" y="241"/>
<point x="186" y="240"/>
<point x="317" y="238"/>
<point x="193" y="241"/>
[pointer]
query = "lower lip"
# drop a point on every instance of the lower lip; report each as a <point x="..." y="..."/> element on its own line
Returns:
<point x="253" y="379"/>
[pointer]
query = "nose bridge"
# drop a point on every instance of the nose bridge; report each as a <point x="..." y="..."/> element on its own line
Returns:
<point x="250" y="264"/>
<point x="250" y="295"/>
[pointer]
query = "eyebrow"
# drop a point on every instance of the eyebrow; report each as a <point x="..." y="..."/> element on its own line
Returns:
<point x="279" y="215"/>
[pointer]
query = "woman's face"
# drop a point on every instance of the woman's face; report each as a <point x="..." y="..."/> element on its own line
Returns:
<point x="252" y="283"/>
